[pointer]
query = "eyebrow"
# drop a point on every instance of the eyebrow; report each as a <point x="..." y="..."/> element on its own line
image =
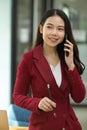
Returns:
<point x="52" y="25"/>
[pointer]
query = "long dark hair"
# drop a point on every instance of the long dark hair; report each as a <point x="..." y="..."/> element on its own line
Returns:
<point x="60" y="48"/>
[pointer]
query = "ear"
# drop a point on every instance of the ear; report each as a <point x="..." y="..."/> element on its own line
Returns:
<point x="41" y="28"/>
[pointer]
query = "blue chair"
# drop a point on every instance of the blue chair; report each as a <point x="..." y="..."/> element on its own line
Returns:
<point x="18" y="116"/>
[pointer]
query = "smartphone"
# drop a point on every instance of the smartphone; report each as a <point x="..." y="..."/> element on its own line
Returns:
<point x="67" y="53"/>
<point x="65" y="38"/>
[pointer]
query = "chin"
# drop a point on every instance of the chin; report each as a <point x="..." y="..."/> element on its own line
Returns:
<point x="53" y="45"/>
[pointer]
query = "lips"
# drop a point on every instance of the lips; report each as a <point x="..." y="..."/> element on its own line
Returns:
<point x="53" y="39"/>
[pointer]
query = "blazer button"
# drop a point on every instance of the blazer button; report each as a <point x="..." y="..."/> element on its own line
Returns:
<point x="63" y="129"/>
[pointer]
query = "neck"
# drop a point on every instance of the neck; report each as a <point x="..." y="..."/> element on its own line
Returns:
<point x="51" y="55"/>
<point x="47" y="50"/>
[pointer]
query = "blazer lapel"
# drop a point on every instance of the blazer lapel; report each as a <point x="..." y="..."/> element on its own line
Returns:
<point x="44" y="69"/>
<point x="42" y="65"/>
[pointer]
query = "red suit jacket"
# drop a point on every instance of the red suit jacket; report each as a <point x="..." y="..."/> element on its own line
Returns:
<point x="34" y="72"/>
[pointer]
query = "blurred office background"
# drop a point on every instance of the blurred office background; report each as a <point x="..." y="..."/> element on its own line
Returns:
<point x="19" y="20"/>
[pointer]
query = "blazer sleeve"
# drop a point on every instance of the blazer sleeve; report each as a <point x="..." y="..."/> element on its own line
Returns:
<point x="22" y="85"/>
<point x="77" y="87"/>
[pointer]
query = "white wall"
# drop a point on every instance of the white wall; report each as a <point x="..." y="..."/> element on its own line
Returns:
<point x="5" y="52"/>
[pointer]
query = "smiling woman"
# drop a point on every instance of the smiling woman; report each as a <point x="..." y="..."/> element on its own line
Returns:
<point x="50" y="102"/>
<point x="53" y="31"/>
<point x="25" y="17"/>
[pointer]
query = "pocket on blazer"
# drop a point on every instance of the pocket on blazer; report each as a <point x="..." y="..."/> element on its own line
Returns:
<point x="72" y="121"/>
<point x="38" y="118"/>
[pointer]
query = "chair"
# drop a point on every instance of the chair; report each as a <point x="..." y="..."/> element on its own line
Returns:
<point x="18" y="116"/>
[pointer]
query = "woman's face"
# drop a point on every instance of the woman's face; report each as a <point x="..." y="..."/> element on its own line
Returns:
<point x="53" y="31"/>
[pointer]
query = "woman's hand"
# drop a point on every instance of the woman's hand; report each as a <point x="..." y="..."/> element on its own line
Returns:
<point x="68" y="48"/>
<point x="46" y="104"/>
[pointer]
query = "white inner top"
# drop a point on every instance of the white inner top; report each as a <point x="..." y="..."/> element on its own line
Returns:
<point x="57" y="73"/>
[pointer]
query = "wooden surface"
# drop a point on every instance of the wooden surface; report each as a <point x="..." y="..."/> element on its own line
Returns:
<point x="17" y="128"/>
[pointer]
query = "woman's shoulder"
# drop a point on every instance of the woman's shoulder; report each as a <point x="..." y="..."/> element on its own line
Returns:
<point x="29" y="54"/>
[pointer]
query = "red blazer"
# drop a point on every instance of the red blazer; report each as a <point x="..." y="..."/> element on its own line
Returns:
<point x="34" y="72"/>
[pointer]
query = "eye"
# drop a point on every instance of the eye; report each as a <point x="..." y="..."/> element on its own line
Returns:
<point x="61" y="29"/>
<point x="49" y="27"/>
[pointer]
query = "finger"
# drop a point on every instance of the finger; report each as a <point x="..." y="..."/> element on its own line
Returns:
<point x="49" y="101"/>
<point x="47" y="107"/>
<point x="48" y="104"/>
<point x="44" y="105"/>
<point x="68" y="47"/>
<point x="67" y="41"/>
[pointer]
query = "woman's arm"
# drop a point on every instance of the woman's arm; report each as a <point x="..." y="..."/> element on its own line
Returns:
<point x="77" y="87"/>
<point x="22" y="85"/>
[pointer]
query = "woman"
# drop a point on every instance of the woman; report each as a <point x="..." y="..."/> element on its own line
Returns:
<point x="52" y="71"/>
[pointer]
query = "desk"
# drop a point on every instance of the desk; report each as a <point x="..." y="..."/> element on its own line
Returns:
<point x="17" y="128"/>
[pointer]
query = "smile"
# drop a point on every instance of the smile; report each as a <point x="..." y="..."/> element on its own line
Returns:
<point x="53" y="39"/>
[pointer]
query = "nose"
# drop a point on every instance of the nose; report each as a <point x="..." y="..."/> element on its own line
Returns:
<point x="54" y="32"/>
